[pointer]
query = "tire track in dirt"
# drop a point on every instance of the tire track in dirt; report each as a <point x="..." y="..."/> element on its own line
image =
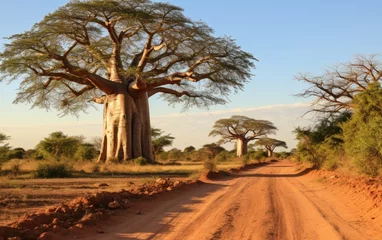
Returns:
<point x="267" y="203"/>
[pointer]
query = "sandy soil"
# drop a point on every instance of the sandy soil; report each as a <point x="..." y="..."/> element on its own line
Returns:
<point x="20" y="197"/>
<point x="271" y="202"/>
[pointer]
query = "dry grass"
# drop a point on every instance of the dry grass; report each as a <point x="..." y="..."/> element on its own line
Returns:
<point x="185" y="169"/>
<point x="20" y="194"/>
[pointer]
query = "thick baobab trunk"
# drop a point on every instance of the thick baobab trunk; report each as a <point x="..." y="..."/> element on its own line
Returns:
<point x="269" y="152"/>
<point x="142" y="104"/>
<point x="126" y="123"/>
<point x="241" y="147"/>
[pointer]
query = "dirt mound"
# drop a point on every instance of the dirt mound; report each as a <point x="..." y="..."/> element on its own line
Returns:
<point x="371" y="188"/>
<point x="247" y="167"/>
<point x="68" y="218"/>
<point x="359" y="192"/>
<point x="211" y="175"/>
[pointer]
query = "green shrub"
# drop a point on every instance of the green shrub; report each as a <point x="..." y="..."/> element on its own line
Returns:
<point x="141" y="161"/>
<point x="209" y="164"/>
<point x="363" y="133"/>
<point x="85" y="152"/>
<point x="53" y="170"/>
<point x="15" y="168"/>
<point x="223" y="157"/>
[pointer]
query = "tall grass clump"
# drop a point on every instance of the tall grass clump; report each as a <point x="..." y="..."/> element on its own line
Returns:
<point x="209" y="164"/>
<point x="53" y="170"/>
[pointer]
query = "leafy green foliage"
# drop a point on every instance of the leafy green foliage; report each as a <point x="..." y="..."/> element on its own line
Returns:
<point x="209" y="164"/>
<point x="189" y="149"/>
<point x="258" y="154"/>
<point x="270" y="144"/>
<point x="86" y="152"/>
<point x="212" y="149"/>
<point x="160" y="141"/>
<point x="363" y="133"/>
<point x="4" y="148"/>
<point x="230" y="129"/>
<point x="17" y="153"/>
<point x="58" y="145"/>
<point x="53" y="170"/>
<point x="323" y="141"/>
<point x="141" y="161"/>
<point x="174" y="154"/>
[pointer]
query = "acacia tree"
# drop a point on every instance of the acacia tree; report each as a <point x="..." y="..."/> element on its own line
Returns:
<point x="58" y="145"/>
<point x="4" y="148"/>
<point x="241" y="129"/>
<point x="270" y="144"/>
<point x="120" y="53"/>
<point x="160" y="141"/>
<point x="335" y="90"/>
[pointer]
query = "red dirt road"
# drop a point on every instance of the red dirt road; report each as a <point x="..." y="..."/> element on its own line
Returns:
<point x="270" y="202"/>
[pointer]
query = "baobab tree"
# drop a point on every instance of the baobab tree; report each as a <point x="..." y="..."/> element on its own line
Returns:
<point x="241" y="129"/>
<point x="120" y="53"/>
<point x="334" y="91"/>
<point x="270" y="144"/>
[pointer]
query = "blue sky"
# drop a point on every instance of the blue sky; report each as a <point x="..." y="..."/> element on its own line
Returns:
<point x="288" y="37"/>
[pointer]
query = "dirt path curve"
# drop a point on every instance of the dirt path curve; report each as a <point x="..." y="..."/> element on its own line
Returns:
<point x="271" y="202"/>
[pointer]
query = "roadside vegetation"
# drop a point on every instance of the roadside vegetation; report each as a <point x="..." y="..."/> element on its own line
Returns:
<point x="348" y="134"/>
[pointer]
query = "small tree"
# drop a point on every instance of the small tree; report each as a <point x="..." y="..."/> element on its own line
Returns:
<point x="270" y="144"/>
<point x="322" y="141"/>
<point x="160" y="141"/>
<point x="242" y="130"/>
<point x="17" y="153"/>
<point x="189" y="149"/>
<point x="4" y="148"/>
<point x="175" y="154"/>
<point x="86" y="151"/>
<point x="58" y="145"/>
<point x="212" y="149"/>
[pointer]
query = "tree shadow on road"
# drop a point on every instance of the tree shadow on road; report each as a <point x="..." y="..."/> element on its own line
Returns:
<point x="158" y="213"/>
<point x="275" y="175"/>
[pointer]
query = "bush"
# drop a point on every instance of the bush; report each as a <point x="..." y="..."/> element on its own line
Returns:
<point x="85" y="152"/>
<point x="53" y="170"/>
<point x="209" y="164"/>
<point x="15" y="168"/>
<point x="363" y="133"/>
<point x="141" y="161"/>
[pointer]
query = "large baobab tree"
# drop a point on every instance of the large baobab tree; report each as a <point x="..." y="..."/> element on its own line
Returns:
<point x="270" y="144"/>
<point x="120" y="53"/>
<point x="334" y="91"/>
<point x="241" y="129"/>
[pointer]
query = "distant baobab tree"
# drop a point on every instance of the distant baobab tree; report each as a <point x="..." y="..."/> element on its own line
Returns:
<point x="241" y="129"/>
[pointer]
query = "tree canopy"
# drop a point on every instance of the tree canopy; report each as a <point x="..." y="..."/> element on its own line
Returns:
<point x="241" y="127"/>
<point x="270" y="144"/>
<point x="335" y="90"/>
<point x="86" y="49"/>
<point x="160" y="141"/>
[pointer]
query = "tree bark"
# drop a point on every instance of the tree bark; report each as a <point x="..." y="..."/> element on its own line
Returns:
<point x="270" y="152"/>
<point x="241" y="147"/>
<point x="143" y="107"/>
<point x="126" y="128"/>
